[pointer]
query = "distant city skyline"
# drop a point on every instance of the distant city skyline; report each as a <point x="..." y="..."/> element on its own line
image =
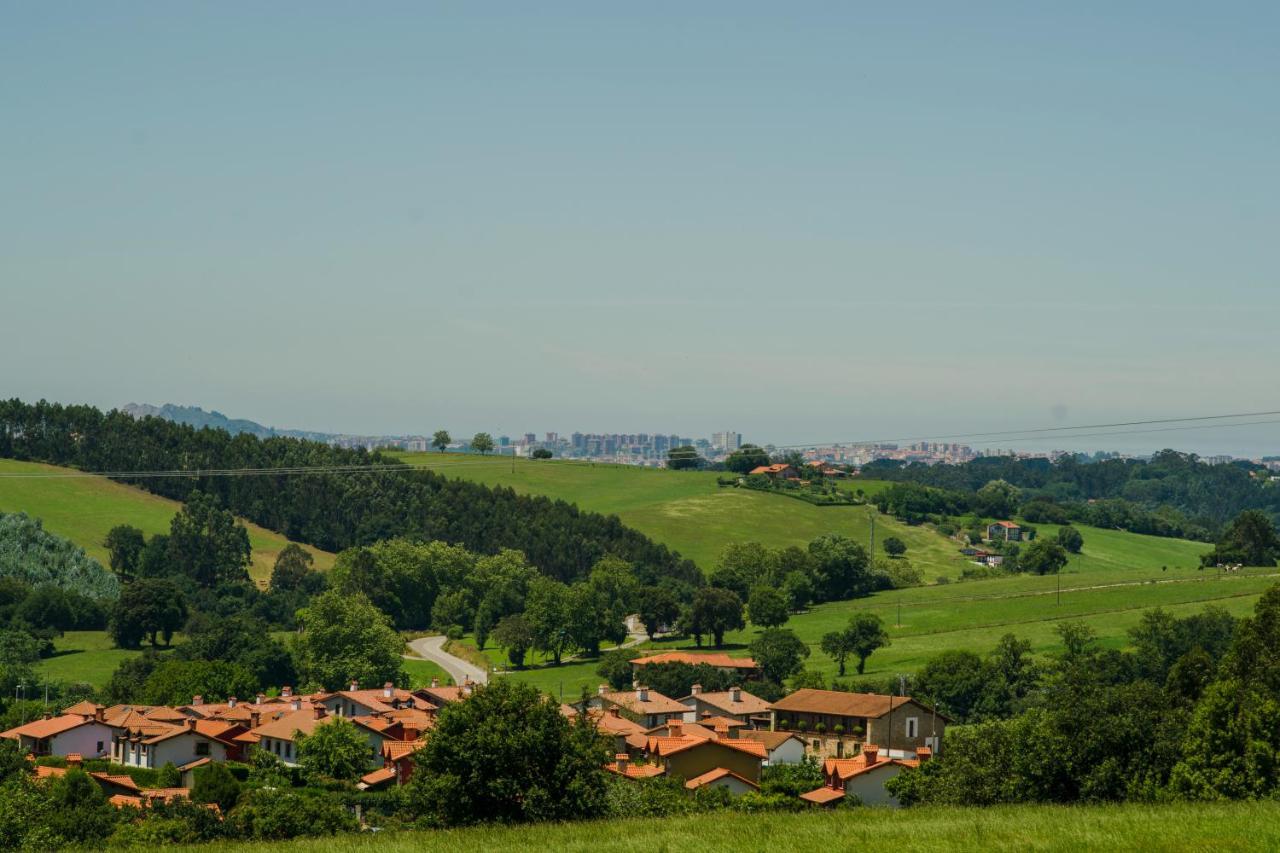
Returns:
<point x="809" y="222"/>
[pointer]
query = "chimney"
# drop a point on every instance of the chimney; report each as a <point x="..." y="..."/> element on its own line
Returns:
<point x="602" y="689"/>
<point x="100" y="713"/>
<point x="260" y="698"/>
<point x="388" y="690"/>
<point x="354" y="686"/>
<point x="735" y="694"/>
<point x="320" y="712"/>
<point x="75" y="759"/>
<point x="620" y="761"/>
<point x="296" y="704"/>
<point x="255" y="720"/>
<point x="870" y="754"/>
<point x="675" y="728"/>
<point x="696" y="689"/>
<point x="468" y="687"/>
<point x="286" y="691"/>
<point x="923" y="753"/>
<point x="435" y="682"/>
<point x="722" y="731"/>
<point x="191" y="724"/>
<point x="231" y="701"/>
<point x="642" y="693"/>
<point x="197" y="700"/>
<point x="614" y="711"/>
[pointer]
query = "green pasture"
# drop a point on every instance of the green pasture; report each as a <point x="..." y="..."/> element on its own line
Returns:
<point x="84" y="509"/>
<point x="1166" y="827"/>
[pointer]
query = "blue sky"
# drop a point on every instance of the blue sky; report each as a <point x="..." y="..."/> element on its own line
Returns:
<point x="803" y="221"/>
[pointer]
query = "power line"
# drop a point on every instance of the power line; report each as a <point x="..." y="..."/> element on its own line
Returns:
<point x="1199" y="422"/>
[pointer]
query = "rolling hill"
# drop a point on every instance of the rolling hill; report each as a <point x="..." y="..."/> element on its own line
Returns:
<point x="83" y="509"/>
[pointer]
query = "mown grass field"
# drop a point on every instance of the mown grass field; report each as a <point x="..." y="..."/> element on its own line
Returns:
<point x="687" y="511"/>
<point x="85" y="656"/>
<point x="84" y="509"/>
<point x="1228" y="827"/>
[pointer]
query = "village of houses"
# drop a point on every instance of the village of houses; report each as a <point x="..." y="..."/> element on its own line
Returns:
<point x="707" y="739"/>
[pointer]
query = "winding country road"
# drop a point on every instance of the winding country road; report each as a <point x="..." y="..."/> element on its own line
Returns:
<point x="432" y="649"/>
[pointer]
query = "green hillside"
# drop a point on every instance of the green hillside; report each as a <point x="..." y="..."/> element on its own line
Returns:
<point x="83" y="509"/>
<point x="687" y="511"/>
<point x="1186" y="826"/>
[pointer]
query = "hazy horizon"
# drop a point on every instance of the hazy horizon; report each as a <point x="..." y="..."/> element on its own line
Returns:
<point x="808" y="224"/>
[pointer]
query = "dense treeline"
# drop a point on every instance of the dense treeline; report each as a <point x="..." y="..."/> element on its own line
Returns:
<point x="1189" y="713"/>
<point x="333" y="511"/>
<point x="1173" y="494"/>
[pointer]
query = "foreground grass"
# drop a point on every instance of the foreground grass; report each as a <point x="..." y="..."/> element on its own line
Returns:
<point x="1243" y="826"/>
<point x="84" y="509"/>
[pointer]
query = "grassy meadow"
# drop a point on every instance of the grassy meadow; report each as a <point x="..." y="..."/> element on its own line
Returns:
<point x="86" y="656"/>
<point x="688" y="512"/>
<point x="1185" y="826"/>
<point x="84" y="509"/>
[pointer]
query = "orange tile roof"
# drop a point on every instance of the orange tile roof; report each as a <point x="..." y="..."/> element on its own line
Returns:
<point x="84" y="709"/>
<point x="306" y="722"/>
<point x="672" y="745"/>
<point x="378" y="777"/>
<point x="615" y="724"/>
<point x="718" y="659"/>
<point x="825" y="794"/>
<point x="838" y="703"/>
<point x="747" y="703"/>
<point x="656" y="703"/>
<point x="713" y="723"/>
<point x="771" y="740"/>
<point x="635" y="771"/>
<point x="166" y="794"/>
<point x="394" y="750"/>
<point x="712" y="775"/>
<point x="41" y="729"/>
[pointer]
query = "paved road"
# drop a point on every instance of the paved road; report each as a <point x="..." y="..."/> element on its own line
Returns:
<point x="432" y="649"/>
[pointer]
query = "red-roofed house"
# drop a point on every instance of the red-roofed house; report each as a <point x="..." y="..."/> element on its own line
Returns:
<point x="734" y="703"/>
<point x="1006" y="530"/>
<point x="160" y="744"/>
<point x="691" y="756"/>
<point x="745" y="667"/>
<point x="280" y="736"/>
<point x="646" y="707"/>
<point x="88" y="734"/>
<point x="779" y="469"/>
<point x="863" y="776"/>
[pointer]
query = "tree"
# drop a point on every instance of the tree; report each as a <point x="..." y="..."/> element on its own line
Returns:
<point x="47" y="607"/>
<point x="19" y="652"/>
<point x="514" y="634"/>
<point x="843" y="569"/>
<point x="547" y="610"/>
<point x="1250" y="540"/>
<point x="215" y="784"/>
<point x="440" y="441"/>
<point x="174" y="682"/>
<point x="345" y="637"/>
<point x="837" y="645"/>
<point x="148" y="607"/>
<point x="482" y="443"/>
<point x="998" y="499"/>
<point x="798" y="588"/>
<point x="508" y="755"/>
<point x="745" y="458"/>
<point x="542" y="453"/>
<point x="767" y="607"/>
<point x="124" y="546"/>
<point x="335" y="749"/>
<point x="615" y="667"/>
<point x="955" y="681"/>
<point x="207" y="544"/>
<point x="657" y="608"/>
<point x="866" y="634"/>
<point x="715" y="611"/>
<point x="683" y="458"/>
<point x="894" y="547"/>
<point x="1070" y="539"/>
<point x="1043" y="557"/>
<point x="291" y="568"/>
<point x="779" y="653"/>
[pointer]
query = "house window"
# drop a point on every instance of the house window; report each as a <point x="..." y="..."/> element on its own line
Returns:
<point x="288" y="749"/>
<point x="913" y="726"/>
<point x="99" y="746"/>
<point x="202" y="748"/>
